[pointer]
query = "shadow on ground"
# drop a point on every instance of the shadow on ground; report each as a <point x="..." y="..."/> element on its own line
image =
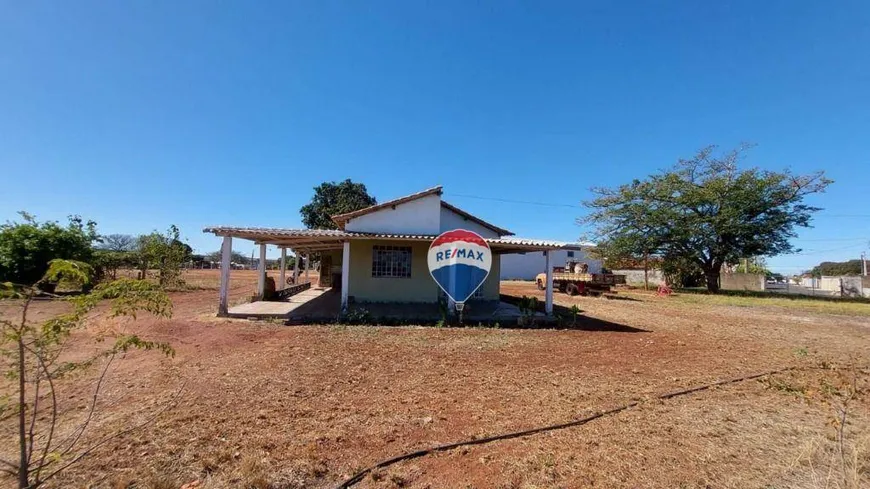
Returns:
<point x="510" y="312"/>
<point x="566" y="318"/>
<point x="586" y="323"/>
<point x="621" y="298"/>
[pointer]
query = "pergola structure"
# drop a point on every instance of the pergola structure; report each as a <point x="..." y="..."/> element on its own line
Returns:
<point x="307" y="241"/>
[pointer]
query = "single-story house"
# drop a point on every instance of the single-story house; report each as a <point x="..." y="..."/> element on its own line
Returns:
<point x="379" y="254"/>
<point x="527" y="265"/>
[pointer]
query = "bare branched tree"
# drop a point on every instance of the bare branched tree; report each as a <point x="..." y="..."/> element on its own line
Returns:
<point x="118" y="242"/>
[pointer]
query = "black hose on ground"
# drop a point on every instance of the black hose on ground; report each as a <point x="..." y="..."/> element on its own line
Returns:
<point x="516" y="434"/>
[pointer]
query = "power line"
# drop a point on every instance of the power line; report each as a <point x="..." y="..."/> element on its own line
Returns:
<point x="834" y="239"/>
<point x="814" y="252"/>
<point x="575" y="206"/>
<point x="511" y="201"/>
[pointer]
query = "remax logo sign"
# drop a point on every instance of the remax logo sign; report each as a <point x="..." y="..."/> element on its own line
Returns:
<point x="459" y="261"/>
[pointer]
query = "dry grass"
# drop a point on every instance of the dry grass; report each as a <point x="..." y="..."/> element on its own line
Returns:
<point x="819" y="306"/>
<point x="268" y="406"/>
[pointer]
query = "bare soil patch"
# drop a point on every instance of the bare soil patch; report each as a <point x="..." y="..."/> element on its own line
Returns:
<point x="266" y="405"/>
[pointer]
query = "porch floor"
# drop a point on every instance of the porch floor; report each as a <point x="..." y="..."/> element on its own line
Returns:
<point x="324" y="304"/>
<point x="315" y="302"/>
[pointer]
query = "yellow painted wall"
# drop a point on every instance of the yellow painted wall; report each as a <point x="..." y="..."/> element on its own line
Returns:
<point x="365" y="288"/>
<point x="419" y="288"/>
<point x="490" y="286"/>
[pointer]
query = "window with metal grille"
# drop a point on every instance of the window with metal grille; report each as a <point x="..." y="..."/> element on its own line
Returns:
<point x="391" y="261"/>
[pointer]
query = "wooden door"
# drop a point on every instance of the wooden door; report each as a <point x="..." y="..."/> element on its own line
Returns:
<point x="325" y="271"/>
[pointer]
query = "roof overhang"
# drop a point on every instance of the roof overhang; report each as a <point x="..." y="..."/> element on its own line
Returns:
<point x="329" y="239"/>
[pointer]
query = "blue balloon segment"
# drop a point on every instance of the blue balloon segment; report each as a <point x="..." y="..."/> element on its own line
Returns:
<point x="459" y="280"/>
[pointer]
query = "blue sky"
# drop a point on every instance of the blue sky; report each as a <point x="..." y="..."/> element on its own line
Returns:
<point x="143" y="114"/>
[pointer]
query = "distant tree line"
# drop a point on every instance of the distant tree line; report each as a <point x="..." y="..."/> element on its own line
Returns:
<point x="28" y="246"/>
<point x="213" y="260"/>
<point x="834" y="268"/>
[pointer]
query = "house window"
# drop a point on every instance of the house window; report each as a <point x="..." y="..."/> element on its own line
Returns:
<point x="570" y="254"/>
<point x="391" y="261"/>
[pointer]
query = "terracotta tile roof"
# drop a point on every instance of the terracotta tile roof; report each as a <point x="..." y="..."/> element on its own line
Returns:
<point x="470" y="217"/>
<point x="341" y="219"/>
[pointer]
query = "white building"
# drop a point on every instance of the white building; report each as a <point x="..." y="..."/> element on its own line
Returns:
<point x="526" y="266"/>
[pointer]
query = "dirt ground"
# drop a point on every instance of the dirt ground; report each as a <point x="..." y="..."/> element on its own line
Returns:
<point x="271" y="406"/>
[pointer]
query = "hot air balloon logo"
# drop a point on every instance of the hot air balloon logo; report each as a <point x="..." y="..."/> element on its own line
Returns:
<point x="459" y="261"/>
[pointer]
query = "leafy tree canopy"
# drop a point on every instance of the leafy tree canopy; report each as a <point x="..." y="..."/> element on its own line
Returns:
<point x="165" y="253"/>
<point x="107" y="262"/>
<point x="27" y="247"/>
<point x="753" y="265"/>
<point x="705" y="210"/>
<point x="331" y="198"/>
<point x="834" y="268"/>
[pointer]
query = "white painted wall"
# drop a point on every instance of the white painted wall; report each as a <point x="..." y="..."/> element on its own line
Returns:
<point x="421" y="216"/>
<point x="635" y="277"/>
<point x="830" y="283"/>
<point x="451" y="220"/>
<point x="526" y="266"/>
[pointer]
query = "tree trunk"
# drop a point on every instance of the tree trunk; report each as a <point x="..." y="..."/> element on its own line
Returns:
<point x="712" y="278"/>
<point x="23" y="475"/>
<point x="646" y="271"/>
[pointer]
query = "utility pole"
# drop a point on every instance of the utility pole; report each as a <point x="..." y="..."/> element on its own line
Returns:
<point x="863" y="264"/>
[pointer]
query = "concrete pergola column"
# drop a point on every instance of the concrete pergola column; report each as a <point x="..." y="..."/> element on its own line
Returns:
<point x="283" y="268"/>
<point x="226" y="255"/>
<point x="307" y="264"/>
<point x="548" y="301"/>
<point x="261" y="275"/>
<point x="295" y="266"/>
<point x="345" y="274"/>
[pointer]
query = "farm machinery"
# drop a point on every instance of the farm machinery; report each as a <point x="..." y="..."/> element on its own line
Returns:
<point x="574" y="279"/>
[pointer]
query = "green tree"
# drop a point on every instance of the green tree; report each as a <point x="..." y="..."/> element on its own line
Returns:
<point x="706" y="210"/>
<point x="682" y="272"/>
<point x="107" y="262"/>
<point x="331" y="198"/>
<point x="164" y="252"/>
<point x="752" y="265"/>
<point x="27" y="247"/>
<point x="33" y="356"/>
<point x="835" y="268"/>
